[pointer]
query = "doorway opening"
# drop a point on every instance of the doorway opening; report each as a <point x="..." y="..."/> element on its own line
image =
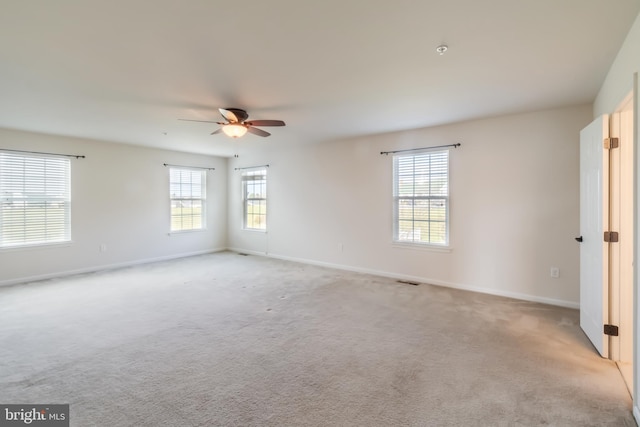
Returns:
<point x="621" y="254"/>
<point x="607" y="236"/>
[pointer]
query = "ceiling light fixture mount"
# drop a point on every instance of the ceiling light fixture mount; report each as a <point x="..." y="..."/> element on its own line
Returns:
<point x="442" y="49"/>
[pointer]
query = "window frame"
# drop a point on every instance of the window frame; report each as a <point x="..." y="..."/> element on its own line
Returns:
<point x="249" y="175"/>
<point x="187" y="197"/>
<point x="45" y="184"/>
<point x="429" y="198"/>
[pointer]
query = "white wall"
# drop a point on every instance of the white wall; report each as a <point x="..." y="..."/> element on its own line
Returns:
<point x="120" y="198"/>
<point x="514" y="205"/>
<point x="619" y="81"/>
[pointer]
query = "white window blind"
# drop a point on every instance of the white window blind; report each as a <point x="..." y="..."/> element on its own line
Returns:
<point x="254" y="189"/>
<point x="35" y="200"/>
<point x="421" y="198"/>
<point x="188" y="194"/>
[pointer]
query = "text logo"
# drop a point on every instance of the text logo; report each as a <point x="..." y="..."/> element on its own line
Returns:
<point x="37" y="415"/>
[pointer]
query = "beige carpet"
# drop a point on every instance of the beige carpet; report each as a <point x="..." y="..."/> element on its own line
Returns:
<point x="228" y="340"/>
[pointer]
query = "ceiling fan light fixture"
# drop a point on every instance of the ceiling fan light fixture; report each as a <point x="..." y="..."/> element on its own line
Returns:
<point x="234" y="130"/>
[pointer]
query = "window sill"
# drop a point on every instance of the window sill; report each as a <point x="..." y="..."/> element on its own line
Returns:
<point x="42" y="246"/>
<point x="199" y="230"/>
<point x="254" y="230"/>
<point x="422" y="247"/>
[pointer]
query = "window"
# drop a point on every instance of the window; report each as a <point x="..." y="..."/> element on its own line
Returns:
<point x="188" y="193"/>
<point x="35" y="200"/>
<point x="421" y="198"/>
<point x="254" y="190"/>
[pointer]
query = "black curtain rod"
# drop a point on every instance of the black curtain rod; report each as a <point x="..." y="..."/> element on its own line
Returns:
<point x="190" y="167"/>
<point x="456" y="145"/>
<point x="77" y="156"/>
<point x="252" y="167"/>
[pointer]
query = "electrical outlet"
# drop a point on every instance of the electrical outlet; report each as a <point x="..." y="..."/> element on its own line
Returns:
<point x="555" y="272"/>
<point x="103" y="247"/>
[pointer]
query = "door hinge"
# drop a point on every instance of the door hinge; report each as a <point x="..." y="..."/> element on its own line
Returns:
<point x="611" y="330"/>
<point x="611" y="236"/>
<point x="610" y="143"/>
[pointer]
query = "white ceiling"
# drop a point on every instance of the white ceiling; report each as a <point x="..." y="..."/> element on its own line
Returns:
<point x="125" y="71"/>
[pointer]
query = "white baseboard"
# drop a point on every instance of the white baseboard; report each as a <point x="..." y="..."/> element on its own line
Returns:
<point x="398" y="276"/>
<point x="106" y="267"/>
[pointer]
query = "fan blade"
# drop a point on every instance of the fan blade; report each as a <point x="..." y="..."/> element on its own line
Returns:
<point x="216" y="131"/>
<point x="201" y="121"/>
<point x="265" y="123"/>
<point x="257" y="131"/>
<point x="228" y="115"/>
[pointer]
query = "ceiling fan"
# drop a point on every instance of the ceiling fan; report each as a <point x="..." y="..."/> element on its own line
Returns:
<point x="236" y="124"/>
